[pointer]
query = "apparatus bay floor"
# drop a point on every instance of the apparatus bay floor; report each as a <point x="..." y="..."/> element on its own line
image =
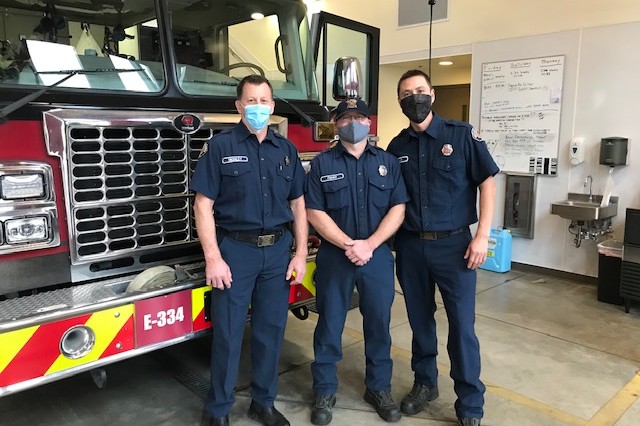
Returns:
<point x="551" y="355"/>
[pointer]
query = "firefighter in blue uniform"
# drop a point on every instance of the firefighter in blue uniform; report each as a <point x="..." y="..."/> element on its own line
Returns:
<point x="256" y="181"/>
<point x="355" y="200"/>
<point x="444" y="164"/>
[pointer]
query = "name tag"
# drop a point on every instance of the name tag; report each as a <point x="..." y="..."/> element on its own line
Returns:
<point x="235" y="159"/>
<point x="403" y="159"/>
<point x="331" y="178"/>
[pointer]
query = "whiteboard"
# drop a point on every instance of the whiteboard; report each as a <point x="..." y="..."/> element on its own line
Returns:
<point x="520" y="113"/>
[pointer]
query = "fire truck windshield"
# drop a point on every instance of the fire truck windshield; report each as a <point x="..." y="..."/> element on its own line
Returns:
<point x="197" y="48"/>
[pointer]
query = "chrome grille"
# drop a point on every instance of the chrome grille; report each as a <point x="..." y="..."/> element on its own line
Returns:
<point x="129" y="187"/>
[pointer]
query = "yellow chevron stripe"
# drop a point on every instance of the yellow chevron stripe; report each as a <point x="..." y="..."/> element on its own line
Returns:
<point x="12" y="342"/>
<point x="197" y="301"/>
<point x="106" y="325"/>
<point x="307" y="282"/>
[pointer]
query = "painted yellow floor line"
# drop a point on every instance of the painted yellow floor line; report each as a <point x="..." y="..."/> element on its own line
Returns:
<point x="562" y="416"/>
<point x="613" y="410"/>
<point x="555" y="413"/>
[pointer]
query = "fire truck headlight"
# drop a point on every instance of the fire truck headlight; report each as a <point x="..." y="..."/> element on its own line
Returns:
<point x="23" y="186"/>
<point x="26" y="230"/>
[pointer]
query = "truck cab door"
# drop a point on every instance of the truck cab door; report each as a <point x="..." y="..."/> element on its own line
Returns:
<point x="334" y="37"/>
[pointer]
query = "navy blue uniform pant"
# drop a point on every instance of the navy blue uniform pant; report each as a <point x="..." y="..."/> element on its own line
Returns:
<point x="258" y="280"/>
<point x="335" y="279"/>
<point x="420" y="265"/>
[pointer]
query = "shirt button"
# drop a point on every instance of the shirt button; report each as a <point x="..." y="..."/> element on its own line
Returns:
<point x="265" y="195"/>
<point x="262" y="159"/>
<point x="424" y="174"/>
<point x="235" y="172"/>
<point x="264" y="177"/>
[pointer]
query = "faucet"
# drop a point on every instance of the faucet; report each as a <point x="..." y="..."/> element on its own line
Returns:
<point x="589" y="180"/>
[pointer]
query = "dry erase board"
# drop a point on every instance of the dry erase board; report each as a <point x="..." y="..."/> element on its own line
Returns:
<point x="520" y="113"/>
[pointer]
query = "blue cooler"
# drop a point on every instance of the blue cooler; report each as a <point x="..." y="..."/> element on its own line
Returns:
<point x="499" y="251"/>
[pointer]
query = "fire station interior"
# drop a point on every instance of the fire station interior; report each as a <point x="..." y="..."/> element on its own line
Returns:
<point x="559" y="344"/>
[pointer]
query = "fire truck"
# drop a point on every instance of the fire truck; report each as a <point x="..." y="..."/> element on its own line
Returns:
<point x="105" y="106"/>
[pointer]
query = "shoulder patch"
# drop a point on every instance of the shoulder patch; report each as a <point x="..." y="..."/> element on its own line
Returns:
<point x="476" y="135"/>
<point x="204" y="149"/>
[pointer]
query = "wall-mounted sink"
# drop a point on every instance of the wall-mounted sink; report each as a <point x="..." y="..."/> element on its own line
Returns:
<point x="578" y="207"/>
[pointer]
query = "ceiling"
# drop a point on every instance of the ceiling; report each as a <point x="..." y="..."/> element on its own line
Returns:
<point x="441" y="75"/>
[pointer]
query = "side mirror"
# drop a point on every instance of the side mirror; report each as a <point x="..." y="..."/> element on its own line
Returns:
<point x="347" y="77"/>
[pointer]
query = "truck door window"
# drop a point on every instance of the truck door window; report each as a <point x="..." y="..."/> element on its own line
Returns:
<point x="218" y="43"/>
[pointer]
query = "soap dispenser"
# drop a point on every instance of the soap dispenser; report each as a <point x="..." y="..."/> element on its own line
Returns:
<point x="576" y="151"/>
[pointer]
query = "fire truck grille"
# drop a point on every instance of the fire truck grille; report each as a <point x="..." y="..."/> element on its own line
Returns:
<point x="129" y="188"/>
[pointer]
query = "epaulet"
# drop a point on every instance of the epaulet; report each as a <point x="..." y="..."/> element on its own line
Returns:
<point x="458" y="123"/>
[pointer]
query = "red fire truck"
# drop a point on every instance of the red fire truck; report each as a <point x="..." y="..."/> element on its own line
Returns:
<point x="105" y="105"/>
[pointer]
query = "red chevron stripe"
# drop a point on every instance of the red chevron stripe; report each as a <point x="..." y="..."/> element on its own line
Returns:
<point x="37" y="355"/>
<point x="199" y="323"/>
<point x="124" y="337"/>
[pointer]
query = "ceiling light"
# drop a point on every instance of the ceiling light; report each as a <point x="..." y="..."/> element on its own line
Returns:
<point x="445" y="63"/>
<point x="257" y="15"/>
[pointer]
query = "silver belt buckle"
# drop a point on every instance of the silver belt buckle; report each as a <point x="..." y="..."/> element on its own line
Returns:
<point x="266" y="240"/>
<point x="429" y="235"/>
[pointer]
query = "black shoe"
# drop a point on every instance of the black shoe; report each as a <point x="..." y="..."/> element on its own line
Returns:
<point x="468" y="421"/>
<point x="207" y="420"/>
<point x="384" y="404"/>
<point x="321" y="414"/>
<point x="418" y="399"/>
<point x="267" y="416"/>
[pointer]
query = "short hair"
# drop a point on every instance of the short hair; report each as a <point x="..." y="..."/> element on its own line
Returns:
<point x="413" y="73"/>
<point x="254" y="79"/>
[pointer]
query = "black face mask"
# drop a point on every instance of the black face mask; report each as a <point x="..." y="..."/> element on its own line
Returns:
<point x="416" y="107"/>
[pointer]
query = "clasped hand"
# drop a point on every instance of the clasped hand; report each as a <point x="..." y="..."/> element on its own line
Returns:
<point x="359" y="252"/>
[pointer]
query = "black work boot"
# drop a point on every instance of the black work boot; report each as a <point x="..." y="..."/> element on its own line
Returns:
<point x="468" y="421"/>
<point x="384" y="404"/>
<point x="321" y="414"/>
<point x="418" y="398"/>
<point x="268" y="416"/>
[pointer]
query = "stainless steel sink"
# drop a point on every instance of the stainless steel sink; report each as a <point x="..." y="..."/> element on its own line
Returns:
<point x="578" y="207"/>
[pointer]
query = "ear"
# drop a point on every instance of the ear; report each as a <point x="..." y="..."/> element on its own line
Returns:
<point x="433" y="96"/>
<point x="273" y="106"/>
<point x="238" y="106"/>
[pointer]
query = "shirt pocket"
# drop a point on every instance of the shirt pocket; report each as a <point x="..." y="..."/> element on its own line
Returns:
<point x="336" y="193"/>
<point x="235" y="179"/>
<point x="379" y="191"/>
<point x="448" y="172"/>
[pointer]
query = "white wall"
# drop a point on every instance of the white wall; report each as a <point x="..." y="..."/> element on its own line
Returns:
<point x="601" y="93"/>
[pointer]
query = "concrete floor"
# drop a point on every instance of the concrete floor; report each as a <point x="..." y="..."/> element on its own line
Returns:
<point x="551" y="355"/>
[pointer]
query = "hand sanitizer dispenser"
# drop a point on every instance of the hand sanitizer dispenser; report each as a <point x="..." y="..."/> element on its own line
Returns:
<point x="576" y="151"/>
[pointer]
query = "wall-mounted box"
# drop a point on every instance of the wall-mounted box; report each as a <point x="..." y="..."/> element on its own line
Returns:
<point x="519" y="205"/>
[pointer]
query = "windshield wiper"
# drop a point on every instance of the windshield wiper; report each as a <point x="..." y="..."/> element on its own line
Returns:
<point x="4" y="112"/>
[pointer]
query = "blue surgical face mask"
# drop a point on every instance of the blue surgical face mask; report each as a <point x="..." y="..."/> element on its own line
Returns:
<point x="257" y="115"/>
<point x="353" y="132"/>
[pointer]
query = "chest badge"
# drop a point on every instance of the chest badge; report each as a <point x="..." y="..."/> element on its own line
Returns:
<point x="447" y="149"/>
<point x="286" y="160"/>
<point x="382" y="170"/>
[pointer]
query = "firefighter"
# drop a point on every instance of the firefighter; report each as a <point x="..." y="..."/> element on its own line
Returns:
<point x="253" y="180"/>
<point x="444" y="163"/>
<point x="355" y="200"/>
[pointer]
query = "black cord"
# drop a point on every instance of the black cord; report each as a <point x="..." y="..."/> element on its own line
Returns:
<point x="431" y="4"/>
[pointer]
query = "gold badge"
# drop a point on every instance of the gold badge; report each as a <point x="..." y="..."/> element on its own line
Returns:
<point x="447" y="149"/>
<point x="352" y="103"/>
<point x="382" y="170"/>
<point x="204" y="149"/>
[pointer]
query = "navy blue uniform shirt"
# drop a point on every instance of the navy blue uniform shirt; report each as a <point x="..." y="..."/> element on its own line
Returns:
<point x="442" y="168"/>
<point x="355" y="193"/>
<point x="251" y="183"/>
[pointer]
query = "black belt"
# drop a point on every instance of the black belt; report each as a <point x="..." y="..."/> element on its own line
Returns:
<point x="260" y="240"/>
<point x="438" y="235"/>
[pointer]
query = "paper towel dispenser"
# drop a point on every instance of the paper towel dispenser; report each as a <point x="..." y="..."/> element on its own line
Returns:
<point x="613" y="151"/>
